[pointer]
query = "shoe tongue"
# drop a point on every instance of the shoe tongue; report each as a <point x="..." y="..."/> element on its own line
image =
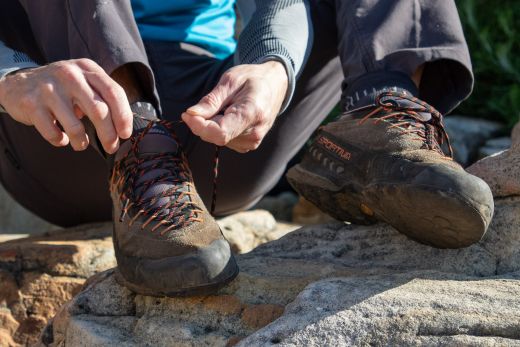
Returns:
<point x="156" y="140"/>
<point x="405" y="103"/>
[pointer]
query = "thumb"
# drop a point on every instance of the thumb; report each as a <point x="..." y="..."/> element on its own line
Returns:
<point x="210" y="105"/>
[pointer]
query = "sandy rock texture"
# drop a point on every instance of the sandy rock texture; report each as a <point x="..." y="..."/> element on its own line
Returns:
<point x="332" y="284"/>
<point x="249" y="229"/>
<point x="410" y="309"/>
<point x="502" y="170"/>
<point x="39" y="274"/>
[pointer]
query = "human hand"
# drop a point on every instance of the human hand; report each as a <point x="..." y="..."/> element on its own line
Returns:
<point x="60" y="94"/>
<point x="242" y="108"/>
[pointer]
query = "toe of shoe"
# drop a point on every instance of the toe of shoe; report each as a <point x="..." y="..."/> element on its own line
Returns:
<point x="198" y="272"/>
<point x="470" y="190"/>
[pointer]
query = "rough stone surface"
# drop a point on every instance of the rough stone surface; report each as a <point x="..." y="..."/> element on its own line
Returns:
<point x="411" y="309"/>
<point x="40" y="273"/>
<point x="468" y="134"/>
<point x="334" y="284"/>
<point x="502" y="170"/>
<point x="247" y="230"/>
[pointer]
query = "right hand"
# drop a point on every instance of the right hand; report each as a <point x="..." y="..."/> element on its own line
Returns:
<point x="64" y="92"/>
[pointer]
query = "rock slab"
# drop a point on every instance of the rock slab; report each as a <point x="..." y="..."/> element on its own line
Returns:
<point x="501" y="170"/>
<point x="412" y="309"/>
<point x="39" y="274"/>
<point x="334" y="284"/>
<point x="249" y="229"/>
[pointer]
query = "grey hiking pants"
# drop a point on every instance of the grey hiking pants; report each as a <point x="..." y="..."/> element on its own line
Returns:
<point x="68" y="188"/>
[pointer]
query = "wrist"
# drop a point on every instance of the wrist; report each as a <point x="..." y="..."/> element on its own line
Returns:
<point x="5" y="80"/>
<point x="275" y="65"/>
<point x="289" y="81"/>
<point x="278" y="69"/>
<point x="278" y="78"/>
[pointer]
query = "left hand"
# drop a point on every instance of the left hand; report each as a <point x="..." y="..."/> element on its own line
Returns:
<point x="242" y="108"/>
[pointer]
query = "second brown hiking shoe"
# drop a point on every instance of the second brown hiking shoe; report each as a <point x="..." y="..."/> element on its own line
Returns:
<point x="166" y="242"/>
<point x="392" y="162"/>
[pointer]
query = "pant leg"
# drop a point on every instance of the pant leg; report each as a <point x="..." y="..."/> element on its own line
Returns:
<point x="104" y="31"/>
<point x="400" y="35"/>
<point x="59" y="185"/>
<point x="62" y="186"/>
<point x="185" y="75"/>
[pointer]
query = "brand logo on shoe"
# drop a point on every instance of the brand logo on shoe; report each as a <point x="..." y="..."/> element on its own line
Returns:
<point x="334" y="148"/>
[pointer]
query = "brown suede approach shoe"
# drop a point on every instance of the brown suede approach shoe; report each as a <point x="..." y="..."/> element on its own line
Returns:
<point x="166" y="243"/>
<point x="392" y="162"/>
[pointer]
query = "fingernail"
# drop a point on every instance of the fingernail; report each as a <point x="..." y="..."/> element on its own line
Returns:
<point x="195" y="110"/>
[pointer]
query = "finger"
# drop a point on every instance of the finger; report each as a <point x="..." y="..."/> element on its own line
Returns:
<point x="105" y="131"/>
<point x="87" y="102"/>
<point x="222" y="129"/>
<point x="207" y="130"/>
<point x="244" y="125"/>
<point x="211" y="104"/>
<point x="78" y="112"/>
<point x="238" y="146"/>
<point x="250" y="140"/>
<point x="100" y="111"/>
<point x="64" y="114"/>
<point x="237" y="119"/>
<point x="46" y="125"/>
<point x="115" y="97"/>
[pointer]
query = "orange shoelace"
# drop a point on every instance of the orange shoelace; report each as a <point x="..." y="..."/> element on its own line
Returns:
<point x="126" y="176"/>
<point x="432" y="131"/>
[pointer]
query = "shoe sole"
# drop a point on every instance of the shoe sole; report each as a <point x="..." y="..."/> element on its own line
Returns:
<point x="408" y="208"/>
<point x="207" y="289"/>
<point x="206" y="271"/>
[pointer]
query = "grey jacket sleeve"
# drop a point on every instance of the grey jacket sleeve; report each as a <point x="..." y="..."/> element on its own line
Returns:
<point x="276" y="30"/>
<point x="11" y="60"/>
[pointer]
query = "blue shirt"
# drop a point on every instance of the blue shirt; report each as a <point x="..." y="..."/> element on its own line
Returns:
<point x="209" y="24"/>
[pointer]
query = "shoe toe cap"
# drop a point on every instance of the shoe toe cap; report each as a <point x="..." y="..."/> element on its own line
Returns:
<point x="180" y="275"/>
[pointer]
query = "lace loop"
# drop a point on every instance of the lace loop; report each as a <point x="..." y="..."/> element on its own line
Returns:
<point x="411" y="119"/>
